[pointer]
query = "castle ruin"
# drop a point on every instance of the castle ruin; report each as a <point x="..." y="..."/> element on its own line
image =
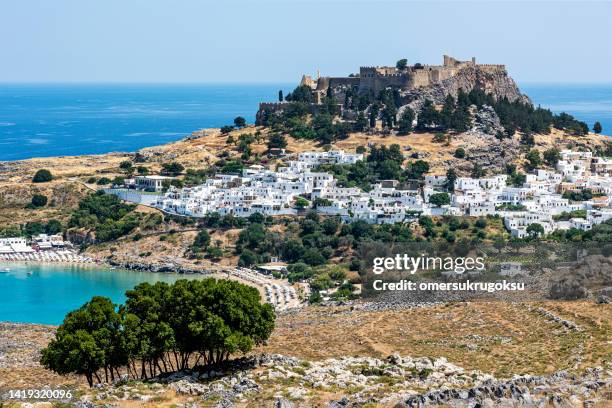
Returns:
<point x="375" y="79"/>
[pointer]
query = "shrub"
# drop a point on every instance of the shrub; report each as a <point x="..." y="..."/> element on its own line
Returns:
<point x="481" y="223"/>
<point x="439" y="199"/>
<point x="240" y="122"/>
<point x="42" y="176"/>
<point x="39" y="200"/>
<point x="226" y="129"/>
<point x="202" y="241"/>
<point x="172" y="169"/>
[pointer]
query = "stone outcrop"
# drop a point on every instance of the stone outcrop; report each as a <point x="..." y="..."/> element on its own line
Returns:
<point x="153" y="267"/>
<point x="497" y="83"/>
<point x="394" y="381"/>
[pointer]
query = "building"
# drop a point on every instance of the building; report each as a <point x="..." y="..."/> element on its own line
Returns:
<point x="273" y="193"/>
<point x="151" y="183"/>
<point x="14" y="245"/>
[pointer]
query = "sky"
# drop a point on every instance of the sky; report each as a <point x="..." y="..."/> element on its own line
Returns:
<point x="233" y="41"/>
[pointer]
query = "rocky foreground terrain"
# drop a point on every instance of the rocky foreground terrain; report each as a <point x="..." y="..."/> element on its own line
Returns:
<point x="369" y="355"/>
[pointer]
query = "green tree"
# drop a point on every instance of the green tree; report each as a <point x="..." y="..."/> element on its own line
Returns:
<point x="451" y="177"/>
<point x="477" y="171"/>
<point x="201" y="241"/>
<point x="402" y="64"/>
<point x="481" y="223"/>
<point x="248" y="258"/>
<point x="42" y="176"/>
<point x="53" y="227"/>
<point x="172" y="169"/>
<point x="416" y="170"/>
<point x="313" y="257"/>
<point x="126" y="166"/>
<point x="429" y="117"/>
<point x="460" y="153"/>
<point x="280" y="95"/>
<point x="330" y="225"/>
<point x="404" y="125"/>
<point x="301" y="203"/>
<point x="161" y="328"/>
<point x="106" y="215"/>
<point x="39" y="200"/>
<point x="533" y="158"/>
<point x="439" y="199"/>
<point x="374" y="110"/>
<point x="315" y="298"/>
<point x="552" y="156"/>
<point x="299" y="271"/>
<point x="88" y="340"/>
<point x="239" y="122"/>
<point x="302" y="93"/>
<point x="226" y="129"/>
<point x="597" y="128"/>
<point x="535" y="230"/>
<point x="102" y="181"/>
<point x="277" y="141"/>
<point x="361" y="123"/>
<point x="292" y="250"/>
<point x="32" y="228"/>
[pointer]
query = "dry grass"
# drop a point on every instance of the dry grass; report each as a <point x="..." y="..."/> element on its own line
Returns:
<point x="499" y="338"/>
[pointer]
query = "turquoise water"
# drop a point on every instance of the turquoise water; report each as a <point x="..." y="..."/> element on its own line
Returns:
<point x="44" y="293"/>
<point x="54" y="120"/>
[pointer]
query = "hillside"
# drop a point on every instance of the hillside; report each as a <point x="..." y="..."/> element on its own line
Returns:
<point x="327" y="346"/>
<point x="75" y="177"/>
<point x="347" y="352"/>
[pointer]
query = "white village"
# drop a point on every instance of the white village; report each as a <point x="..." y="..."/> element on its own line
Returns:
<point x="275" y="193"/>
<point x="272" y="193"/>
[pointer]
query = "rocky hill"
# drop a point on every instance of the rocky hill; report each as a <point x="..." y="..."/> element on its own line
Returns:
<point x="496" y="83"/>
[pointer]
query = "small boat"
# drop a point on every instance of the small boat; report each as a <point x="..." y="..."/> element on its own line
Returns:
<point x="29" y="273"/>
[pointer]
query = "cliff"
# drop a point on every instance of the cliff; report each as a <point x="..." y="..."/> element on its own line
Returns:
<point x="496" y="82"/>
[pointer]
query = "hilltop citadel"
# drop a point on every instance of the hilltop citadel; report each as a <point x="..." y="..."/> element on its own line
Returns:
<point x="375" y="79"/>
<point x="405" y="79"/>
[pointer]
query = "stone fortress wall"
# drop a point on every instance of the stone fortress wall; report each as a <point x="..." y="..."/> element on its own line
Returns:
<point x="375" y="79"/>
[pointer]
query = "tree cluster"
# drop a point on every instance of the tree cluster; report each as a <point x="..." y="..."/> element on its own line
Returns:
<point x="106" y="215"/>
<point x="161" y="328"/>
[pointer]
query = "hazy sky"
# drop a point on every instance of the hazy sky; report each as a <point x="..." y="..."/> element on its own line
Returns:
<point x="277" y="41"/>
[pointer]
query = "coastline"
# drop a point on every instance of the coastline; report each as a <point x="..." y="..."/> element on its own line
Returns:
<point x="574" y="98"/>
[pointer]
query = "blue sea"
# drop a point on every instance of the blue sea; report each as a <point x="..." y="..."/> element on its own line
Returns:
<point x="61" y="120"/>
<point x="57" y="120"/>
<point x="44" y="293"/>
<point x="587" y="102"/>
